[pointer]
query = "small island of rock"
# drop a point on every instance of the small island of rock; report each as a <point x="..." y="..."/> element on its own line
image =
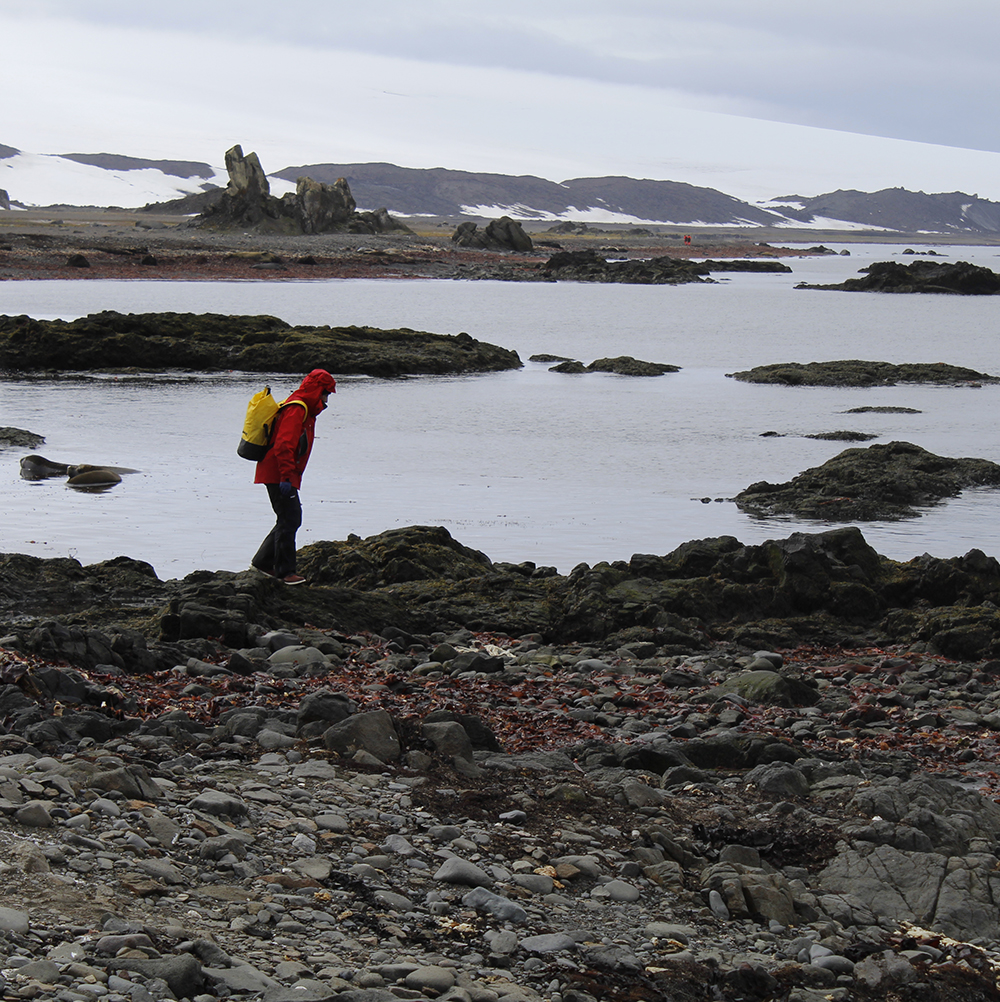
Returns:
<point x="212" y="342"/>
<point x="882" y="482"/>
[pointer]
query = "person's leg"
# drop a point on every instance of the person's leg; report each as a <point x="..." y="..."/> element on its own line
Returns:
<point x="263" y="559"/>
<point x="282" y="536"/>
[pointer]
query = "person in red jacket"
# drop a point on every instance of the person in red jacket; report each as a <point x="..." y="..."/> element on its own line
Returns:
<point x="280" y="471"/>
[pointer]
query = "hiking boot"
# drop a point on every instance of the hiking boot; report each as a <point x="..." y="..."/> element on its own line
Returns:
<point x="293" y="579"/>
<point x="263" y="570"/>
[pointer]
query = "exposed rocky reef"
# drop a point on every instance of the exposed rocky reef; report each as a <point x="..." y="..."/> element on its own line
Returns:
<point x="19" y="438"/>
<point x="247" y="203"/>
<point x="758" y="265"/>
<point x="213" y="342"/>
<point x="621" y="365"/>
<point x="589" y="266"/>
<point x="891" y="481"/>
<point x="854" y="372"/>
<point x="958" y="278"/>
<point x="808" y="588"/>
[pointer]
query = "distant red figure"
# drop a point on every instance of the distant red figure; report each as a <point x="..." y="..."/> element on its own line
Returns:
<point x="687" y="238"/>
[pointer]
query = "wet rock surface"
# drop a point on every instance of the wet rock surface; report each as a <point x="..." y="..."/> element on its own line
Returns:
<point x="958" y="278"/>
<point x="807" y="588"/>
<point x="890" y="481"/>
<point x="853" y="372"/>
<point x="214" y="342"/>
<point x="370" y="814"/>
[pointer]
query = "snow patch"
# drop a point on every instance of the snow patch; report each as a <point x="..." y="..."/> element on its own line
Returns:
<point x="592" y="214"/>
<point x="37" y="179"/>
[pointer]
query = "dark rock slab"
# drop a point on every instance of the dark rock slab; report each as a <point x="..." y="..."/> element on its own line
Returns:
<point x="626" y="365"/>
<point x="589" y="266"/>
<point x="418" y="580"/>
<point x="213" y="342"/>
<point x="842" y="436"/>
<point x="503" y="234"/>
<point x="854" y="372"/>
<point x="754" y="265"/>
<point x="958" y="278"/>
<point x="19" y="438"/>
<point x="891" y="481"/>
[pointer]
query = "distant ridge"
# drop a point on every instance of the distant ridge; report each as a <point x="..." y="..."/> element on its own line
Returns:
<point x="186" y="187"/>
<point x="115" y="161"/>
<point x="441" y="192"/>
<point x="898" y="209"/>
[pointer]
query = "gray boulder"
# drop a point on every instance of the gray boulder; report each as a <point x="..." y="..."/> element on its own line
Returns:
<point x="372" y="732"/>
<point x="769" y="688"/>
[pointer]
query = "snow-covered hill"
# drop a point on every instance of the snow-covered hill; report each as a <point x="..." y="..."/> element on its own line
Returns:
<point x="104" y="179"/>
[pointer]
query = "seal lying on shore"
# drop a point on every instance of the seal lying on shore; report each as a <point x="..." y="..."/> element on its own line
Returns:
<point x="80" y="475"/>
<point x="93" y="478"/>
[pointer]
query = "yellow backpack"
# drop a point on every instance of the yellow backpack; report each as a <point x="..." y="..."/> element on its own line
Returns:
<point x="258" y="426"/>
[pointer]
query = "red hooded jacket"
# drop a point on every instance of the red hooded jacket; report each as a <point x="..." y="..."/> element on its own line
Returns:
<point x="293" y="437"/>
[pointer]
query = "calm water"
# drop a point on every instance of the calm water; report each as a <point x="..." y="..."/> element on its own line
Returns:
<point x="527" y="465"/>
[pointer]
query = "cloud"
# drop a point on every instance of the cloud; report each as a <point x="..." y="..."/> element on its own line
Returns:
<point x="909" y="69"/>
<point x="557" y="89"/>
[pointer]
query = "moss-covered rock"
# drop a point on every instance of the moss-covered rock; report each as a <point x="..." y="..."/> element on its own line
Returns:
<point x="891" y="481"/>
<point x="956" y="278"/>
<point x="767" y="687"/>
<point x="214" y="342"/>
<point x="821" y="588"/>
<point x="855" y="372"/>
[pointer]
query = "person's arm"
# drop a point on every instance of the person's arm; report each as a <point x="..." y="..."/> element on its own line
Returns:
<point x="286" y="439"/>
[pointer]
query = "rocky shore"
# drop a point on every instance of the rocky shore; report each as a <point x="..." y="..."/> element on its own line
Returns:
<point x="731" y="772"/>
<point x="94" y="245"/>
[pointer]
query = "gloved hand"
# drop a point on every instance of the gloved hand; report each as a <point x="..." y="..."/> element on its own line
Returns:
<point x="286" y="489"/>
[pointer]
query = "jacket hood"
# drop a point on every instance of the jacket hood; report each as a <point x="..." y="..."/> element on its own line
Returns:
<point x="312" y="388"/>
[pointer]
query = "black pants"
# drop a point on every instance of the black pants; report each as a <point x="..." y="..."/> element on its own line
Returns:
<point x="276" y="554"/>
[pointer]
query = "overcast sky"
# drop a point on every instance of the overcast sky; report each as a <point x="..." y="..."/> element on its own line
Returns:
<point x="558" y="88"/>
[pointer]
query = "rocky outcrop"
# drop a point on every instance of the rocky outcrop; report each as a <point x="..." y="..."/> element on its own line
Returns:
<point x="589" y="266"/>
<point x="621" y="365"/>
<point x="853" y="372"/>
<point x="323" y="207"/>
<point x="315" y="207"/>
<point x="213" y="342"/>
<point x="808" y="588"/>
<point x="19" y="438"/>
<point x="959" y="278"/>
<point x="503" y="234"/>
<point x="890" y="481"/>
<point x="4" y="199"/>
<point x="758" y="265"/>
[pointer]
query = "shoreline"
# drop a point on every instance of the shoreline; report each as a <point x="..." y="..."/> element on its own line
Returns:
<point x="325" y="809"/>
<point x="133" y="245"/>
